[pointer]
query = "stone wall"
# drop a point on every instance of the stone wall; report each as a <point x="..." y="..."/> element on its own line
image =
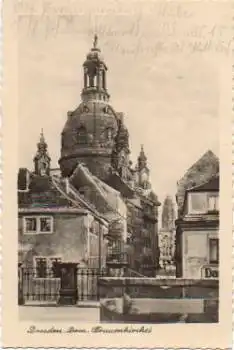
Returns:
<point x="154" y="300"/>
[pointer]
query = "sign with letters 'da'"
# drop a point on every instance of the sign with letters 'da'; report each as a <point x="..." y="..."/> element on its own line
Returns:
<point x="210" y="272"/>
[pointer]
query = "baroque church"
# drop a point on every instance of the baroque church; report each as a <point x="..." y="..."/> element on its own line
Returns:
<point x="96" y="206"/>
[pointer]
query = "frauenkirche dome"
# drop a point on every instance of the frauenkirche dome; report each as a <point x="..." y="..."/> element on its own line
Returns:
<point x="90" y="131"/>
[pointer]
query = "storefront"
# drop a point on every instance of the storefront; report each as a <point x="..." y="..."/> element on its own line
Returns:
<point x="197" y="233"/>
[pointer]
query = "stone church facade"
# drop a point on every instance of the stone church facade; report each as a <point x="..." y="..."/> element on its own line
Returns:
<point x="97" y="200"/>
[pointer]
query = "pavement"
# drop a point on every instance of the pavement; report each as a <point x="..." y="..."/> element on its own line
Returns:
<point x="59" y="314"/>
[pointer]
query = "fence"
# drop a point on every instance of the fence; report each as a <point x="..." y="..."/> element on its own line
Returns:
<point x="37" y="287"/>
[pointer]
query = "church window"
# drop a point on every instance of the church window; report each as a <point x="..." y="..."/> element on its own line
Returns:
<point x="82" y="135"/>
<point x="109" y="134"/>
<point x="85" y="109"/>
<point x="106" y="109"/>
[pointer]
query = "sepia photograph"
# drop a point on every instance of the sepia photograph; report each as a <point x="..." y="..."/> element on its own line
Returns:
<point x="119" y="161"/>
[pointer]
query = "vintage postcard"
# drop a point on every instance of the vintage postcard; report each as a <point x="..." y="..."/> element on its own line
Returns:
<point x="117" y="210"/>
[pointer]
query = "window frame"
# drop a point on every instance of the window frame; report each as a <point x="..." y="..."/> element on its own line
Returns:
<point x="216" y="196"/>
<point x="209" y="250"/>
<point x="38" y="224"/>
<point x="207" y="196"/>
<point x="49" y="266"/>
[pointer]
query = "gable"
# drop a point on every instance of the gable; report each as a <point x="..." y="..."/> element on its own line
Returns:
<point x="198" y="174"/>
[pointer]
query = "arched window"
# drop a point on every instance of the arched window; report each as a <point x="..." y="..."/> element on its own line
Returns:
<point x="82" y="135"/>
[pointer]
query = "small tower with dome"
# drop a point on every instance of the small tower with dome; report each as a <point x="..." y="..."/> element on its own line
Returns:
<point x="42" y="158"/>
<point x="142" y="171"/>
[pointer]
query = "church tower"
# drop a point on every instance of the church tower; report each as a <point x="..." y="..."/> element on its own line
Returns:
<point x="142" y="171"/>
<point x="42" y="158"/>
<point x="91" y="130"/>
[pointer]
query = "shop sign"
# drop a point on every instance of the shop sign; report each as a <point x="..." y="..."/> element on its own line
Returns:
<point x="210" y="272"/>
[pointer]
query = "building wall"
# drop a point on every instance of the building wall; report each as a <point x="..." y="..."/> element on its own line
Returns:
<point x="196" y="252"/>
<point x="143" y="229"/>
<point x="70" y="240"/>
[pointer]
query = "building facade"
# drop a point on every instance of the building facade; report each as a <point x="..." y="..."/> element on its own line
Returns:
<point x="96" y="183"/>
<point x="197" y="230"/>
<point x="56" y="224"/>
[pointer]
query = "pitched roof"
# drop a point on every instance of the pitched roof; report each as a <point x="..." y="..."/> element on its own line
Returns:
<point x="211" y="185"/>
<point x="51" y="192"/>
<point x="199" y="173"/>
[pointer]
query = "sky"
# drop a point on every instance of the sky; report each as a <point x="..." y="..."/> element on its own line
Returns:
<point x="167" y="87"/>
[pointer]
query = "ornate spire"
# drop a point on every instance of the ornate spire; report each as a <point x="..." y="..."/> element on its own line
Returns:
<point x="42" y="145"/>
<point x="143" y="170"/>
<point x="42" y="158"/>
<point x="95" y="41"/>
<point x="142" y="159"/>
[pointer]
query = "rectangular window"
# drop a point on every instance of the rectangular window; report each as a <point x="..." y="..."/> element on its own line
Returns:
<point x="31" y="225"/>
<point x="38" y="224"/>
<point x="213" y="251"/>
<point x="198" y="202"/>
<point x="213" y="203"/>
<point x="46" y="267"/>
<point x="41" y="267"/>
<point x="45" y="224"/>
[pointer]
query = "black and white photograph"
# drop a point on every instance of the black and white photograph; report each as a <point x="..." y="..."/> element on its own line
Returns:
<point x="119" y="158"/>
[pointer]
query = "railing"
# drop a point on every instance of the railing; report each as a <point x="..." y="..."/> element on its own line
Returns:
<point x="44" y="285"/>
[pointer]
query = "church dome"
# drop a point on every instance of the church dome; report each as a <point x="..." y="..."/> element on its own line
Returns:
<point x="89" y="135"/>
<point x="89" y="132"/>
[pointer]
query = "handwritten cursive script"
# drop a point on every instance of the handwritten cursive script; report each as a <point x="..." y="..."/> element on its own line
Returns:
<point x="97" y="329"/>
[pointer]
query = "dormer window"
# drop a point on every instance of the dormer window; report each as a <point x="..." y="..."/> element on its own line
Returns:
<point x="203" y="202"/>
